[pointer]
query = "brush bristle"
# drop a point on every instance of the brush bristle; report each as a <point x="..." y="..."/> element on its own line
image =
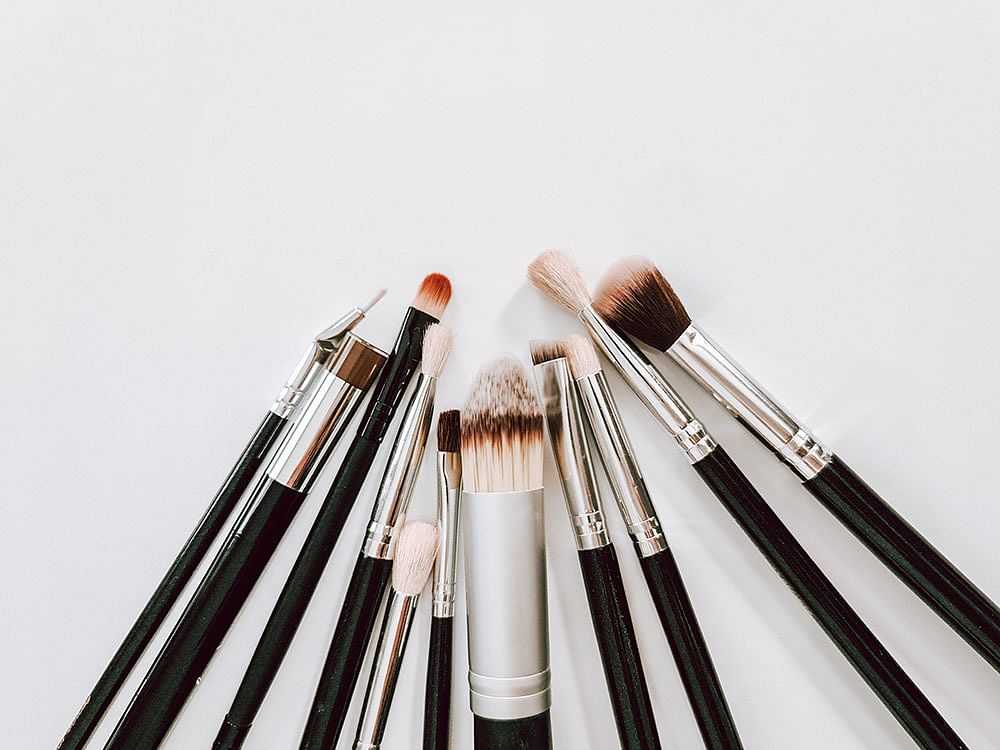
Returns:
<point x="634" y="296"/>
<point x="450" y="431"/>
<point x="555" y="274"/>
<point x="437" y="346"/>
<point x="582" y="356"/>
<point x="502" y="432"/>
<point x="546" y="351"/>
<point x="433" y="295"/>
<point x="413" y="559"/>
<point x="374" y="300"/>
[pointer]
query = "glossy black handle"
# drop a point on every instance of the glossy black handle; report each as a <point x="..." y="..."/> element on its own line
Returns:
<point x="623" y="672"/>
<point x="205" y="620"/>
<point x="344" y="659"/>
<point x="840" y="622"/>
<point x="531" y="733"/>
<point x="691" y="654"/>
<point x="437" y="693"/>
<point x="906" y="553"/>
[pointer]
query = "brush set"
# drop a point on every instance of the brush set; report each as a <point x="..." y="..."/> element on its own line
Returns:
<point x="490" y="512"/>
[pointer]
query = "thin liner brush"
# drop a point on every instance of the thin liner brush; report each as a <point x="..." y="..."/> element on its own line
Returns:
<point x="437" y="692"/>
<point x="505" y="583"/>
<point x="555" y="274"/>
<point x="322" y="349"/>
<point x="609" y="610"/>
<point x="635" y="297"/>
<point x="248" y="547"/>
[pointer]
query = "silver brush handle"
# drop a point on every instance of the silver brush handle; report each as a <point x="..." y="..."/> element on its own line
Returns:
<point x="449" y="501"/>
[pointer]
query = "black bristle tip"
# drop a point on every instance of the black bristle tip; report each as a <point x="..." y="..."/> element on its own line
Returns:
<point x="635" y="297"/>
<point x="449" y="431"/>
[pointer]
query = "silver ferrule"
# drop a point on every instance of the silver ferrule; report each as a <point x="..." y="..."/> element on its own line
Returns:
<point x="568" y="440"/>
<point x="506" y="598"/>
<point x="401" y="471"/>
<point x="650" y="386"/>
<point x="746" y="399"/>
<point x="620" y="464"/>
<point x="310" y="369"/>
<point x="449" y="506"/>
<point x="396" y="626"/>
<point x="326" y="414"/>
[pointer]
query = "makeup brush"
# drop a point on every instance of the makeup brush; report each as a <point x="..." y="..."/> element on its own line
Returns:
<point x="323" y="347"/>
<point x="663" y="577"/>
<point x="505" y="583"/>
<point x="636" y="298"/>
<point x="609" y="610"/>
<point x="249" y="546"/>
<point x="344" y="658"/>
<point x="411" y="567"/>
<point x="437" y="693"/>
<point x="554" y="273"/>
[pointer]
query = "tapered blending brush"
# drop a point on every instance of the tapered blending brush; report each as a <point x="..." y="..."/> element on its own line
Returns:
<point x="437" y="693"/>
<point x="249" y="546"/>
<point x="276" y="419"/>
<point x="609" y="610"/>
<point x="504" y="541"/>
<point x="663" y="577"/>
<point x="555" y="274"/>
<point x="356" y="623"/>
<point x="412" y="561"/>
<point x="635" y="297"/>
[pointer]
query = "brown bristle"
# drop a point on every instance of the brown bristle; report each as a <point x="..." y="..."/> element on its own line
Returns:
<point x="546" y="351"/>
<point x="450" y="431"/>
<point x="554" y="273"/>
<point x="634" y="296"/>
<point x="433" y="295"/>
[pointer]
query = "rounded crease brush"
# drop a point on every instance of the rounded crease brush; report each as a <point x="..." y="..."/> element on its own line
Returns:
<point x="635" y="297"/>
<point x="296" y="389"/>
<point x="248" y="547"/>
<point x="430" y="301"/>
<point x="663" y="576"/>
<point x="608" y="603"/>
<point x="437" y="692"/>
<point x="555" y="274"/>
<point x="412" y="561"/>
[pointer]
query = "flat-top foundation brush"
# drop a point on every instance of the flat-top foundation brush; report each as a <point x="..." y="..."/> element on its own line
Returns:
<point x="554" y="273"/>
<point x="505" y="583"/>
<point x="636" y="298"/>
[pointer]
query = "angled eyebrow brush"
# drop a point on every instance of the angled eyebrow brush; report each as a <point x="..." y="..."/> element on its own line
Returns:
<point x="636" y="298"/>
<point x="303" y="379"/>
<point x="556" y="275"/>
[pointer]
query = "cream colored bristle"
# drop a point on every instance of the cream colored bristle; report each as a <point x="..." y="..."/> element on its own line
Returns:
<point x="437" y="346"/>
<point x="413" y="559"/>
<point x="582" y="356"/>
<point x="555" y="273"/>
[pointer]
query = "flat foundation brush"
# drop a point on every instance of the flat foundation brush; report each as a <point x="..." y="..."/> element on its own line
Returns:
<point x="248" y="548"/>
<point x="609" y="610"/>
<point x="322" y="349"/>
<point x="437" y="693"/>
<point x="505" y="584"/>
<point x="412" y="562"/>
<point x="555" y="274"/>
<point x="636" y="298"/>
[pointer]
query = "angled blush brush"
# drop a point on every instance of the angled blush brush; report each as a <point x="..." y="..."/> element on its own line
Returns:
<point x="504" y="543"/>
<point x="258" y="530"/>
<point x="609" y="610"/>
<point x="636" y="298"/>
<point x="276" y="419"/>
<point x="437" y="692"/>
<point x="555" y="274"/>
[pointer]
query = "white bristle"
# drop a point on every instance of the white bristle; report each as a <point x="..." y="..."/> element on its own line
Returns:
<point x="555" y="273"/>
<point x="582" y="356"/>
<point x="413" y="559"/>
<point x="374" y="300"/>
<point x="437" y="346"/>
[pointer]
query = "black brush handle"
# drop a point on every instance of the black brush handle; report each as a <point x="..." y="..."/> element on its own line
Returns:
<point x="437" y="694"/>
<point x="531" y="733"/>
<point x="170" y="588"/>
<point x="623" y="673"/>
<point x="346" y="654"/>
<point x="906" y="553"/>
<point x="206" y="619"/>
<point x="840" y="622"/>
<point x="691" y="654"/>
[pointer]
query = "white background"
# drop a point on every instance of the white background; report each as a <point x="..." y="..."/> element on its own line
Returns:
<point x="190" y="190"/>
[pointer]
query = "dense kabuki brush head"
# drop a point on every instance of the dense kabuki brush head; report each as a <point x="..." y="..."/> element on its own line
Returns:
<point x="449" y="432"/>
<point x="634" y="296"/>
<point x="546" y="351"/>
<point x="502" y="432"/>
<point x="554" y="273"/>
<point x="582" y="356"/>
<point x="433" y="295"/>
<point x="436" y="347"/>
<point x="413" y="559"/>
